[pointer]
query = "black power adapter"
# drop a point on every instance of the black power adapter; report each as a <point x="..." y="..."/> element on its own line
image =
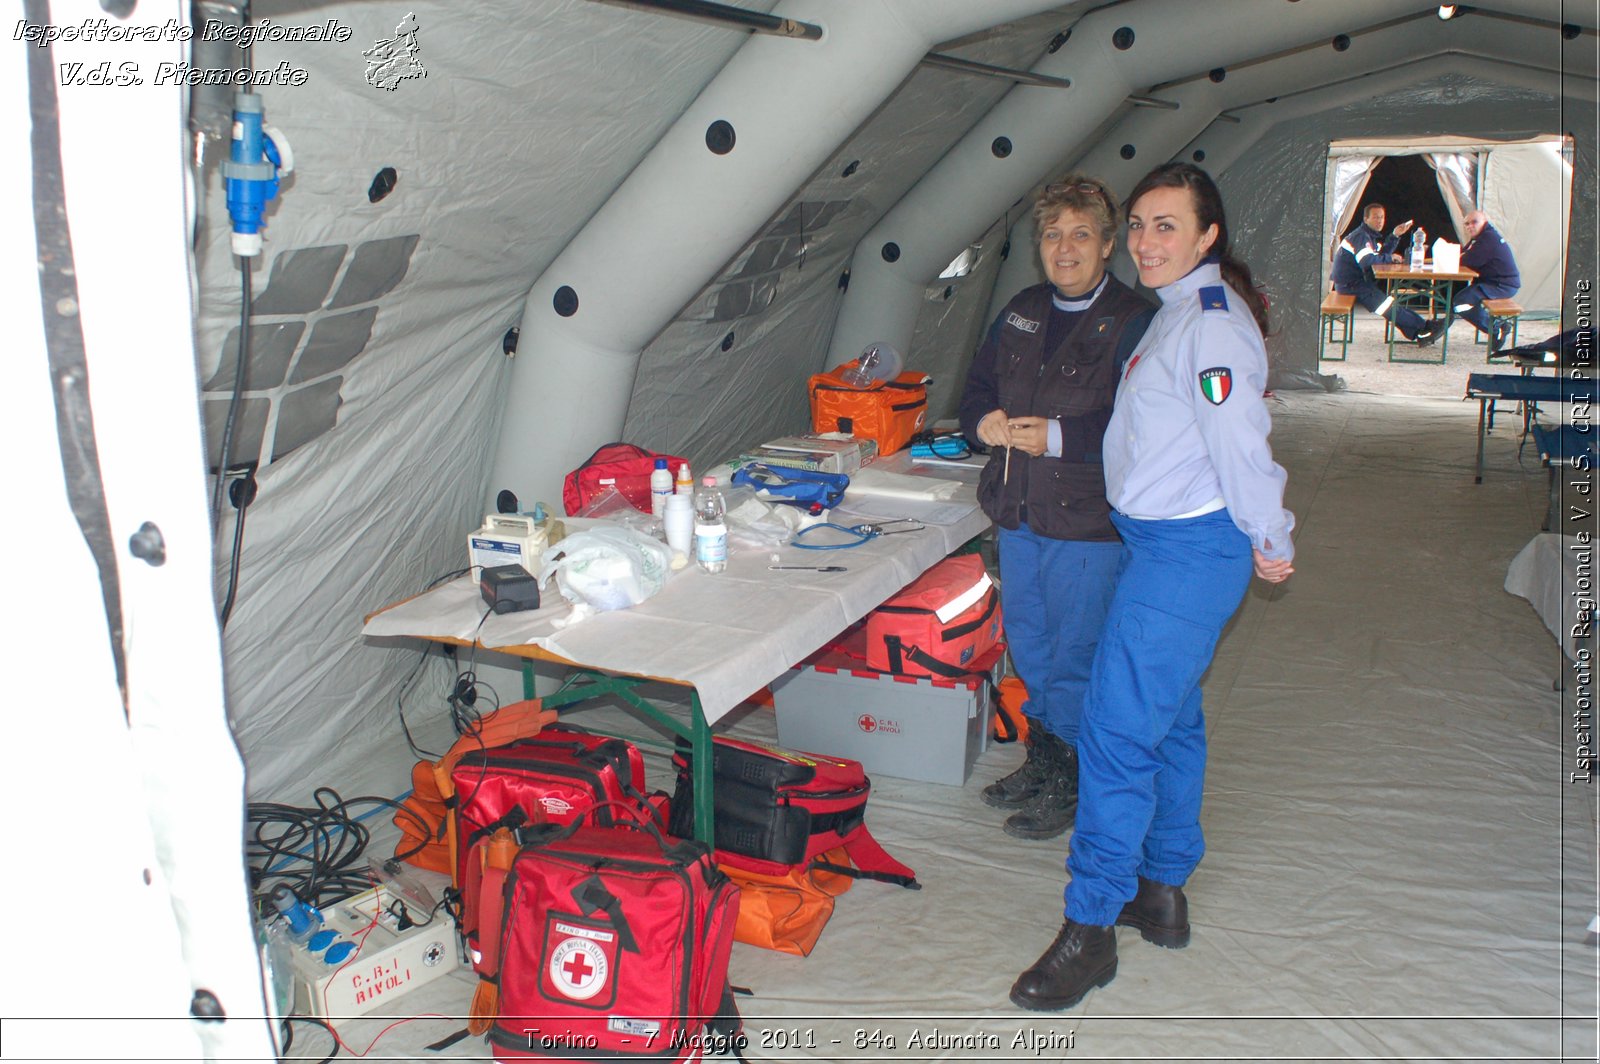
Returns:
<point x="509" y="589"/>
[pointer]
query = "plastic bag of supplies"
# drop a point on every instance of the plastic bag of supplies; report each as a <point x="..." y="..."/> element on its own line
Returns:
<point x="607" y="568"/>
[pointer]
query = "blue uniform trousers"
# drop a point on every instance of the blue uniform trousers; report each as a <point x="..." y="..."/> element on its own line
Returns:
<point x="1054" y="594"/>
<point x="1371" y="295"/>
<point x="1468" y="303"/>
<point x="1142" y="748"/>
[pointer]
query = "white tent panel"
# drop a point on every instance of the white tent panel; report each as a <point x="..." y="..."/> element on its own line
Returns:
<point x="1527" y="189"/>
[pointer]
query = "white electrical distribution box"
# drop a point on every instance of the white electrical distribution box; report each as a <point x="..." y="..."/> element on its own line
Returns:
<point x="508" y="539"/>
<point x="374" y="960"/>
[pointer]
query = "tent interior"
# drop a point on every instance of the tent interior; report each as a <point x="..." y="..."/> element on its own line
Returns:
<point x="562" y="223"/>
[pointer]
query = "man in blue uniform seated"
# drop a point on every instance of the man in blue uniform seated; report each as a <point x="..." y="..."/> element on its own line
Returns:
<point x="1488" y="253"/>
<point x="1352" y="273"/>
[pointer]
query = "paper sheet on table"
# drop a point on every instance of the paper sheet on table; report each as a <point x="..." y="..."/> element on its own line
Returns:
<point x="883" y="507"/>
<point x="874" y="481"/>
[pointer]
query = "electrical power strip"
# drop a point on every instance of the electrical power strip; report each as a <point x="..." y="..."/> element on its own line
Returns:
<point x="380" y="962"/>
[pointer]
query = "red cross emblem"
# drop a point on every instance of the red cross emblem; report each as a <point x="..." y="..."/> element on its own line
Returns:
<point x="578" y="969"/>
<point x="867" y="722"/>
<point x="580" y="964"/>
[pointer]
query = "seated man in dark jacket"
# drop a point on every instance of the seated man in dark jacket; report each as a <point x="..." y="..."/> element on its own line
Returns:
<point x="1488" y="253"/>
<point x="1352" y="273"/>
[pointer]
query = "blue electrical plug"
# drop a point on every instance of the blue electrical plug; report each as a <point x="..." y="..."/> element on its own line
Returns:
<point x="256" y="162"/>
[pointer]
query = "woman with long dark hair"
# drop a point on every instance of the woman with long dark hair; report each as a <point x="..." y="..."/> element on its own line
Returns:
<point x="1198" y="502"/>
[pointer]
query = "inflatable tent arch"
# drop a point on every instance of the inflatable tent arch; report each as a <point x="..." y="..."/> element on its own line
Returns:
<point x="538" y="147"/>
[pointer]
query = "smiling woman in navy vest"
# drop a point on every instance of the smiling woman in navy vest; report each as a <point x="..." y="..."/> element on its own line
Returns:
<point x="1039" y="394"/>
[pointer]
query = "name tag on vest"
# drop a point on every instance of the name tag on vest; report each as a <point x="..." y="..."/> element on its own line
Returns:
<point x="1018" y="321"/>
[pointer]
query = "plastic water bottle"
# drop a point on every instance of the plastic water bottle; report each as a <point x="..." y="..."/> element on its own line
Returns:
<point x="710" y="527"/>
<point x="660" y="487"/>
<point x="1419" y="248"/>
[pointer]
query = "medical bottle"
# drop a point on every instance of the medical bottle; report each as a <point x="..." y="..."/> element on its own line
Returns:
<point x="1419" y="248"/>
<point x="660" y="487"/>
<point x="677" y="519"/>
<point x="710" y="527"/>
<point x="685" y="482"/>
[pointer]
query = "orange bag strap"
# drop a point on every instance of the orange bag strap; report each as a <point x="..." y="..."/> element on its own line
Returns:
<point x="496" y="856"/>
<point x="499" y="852"/>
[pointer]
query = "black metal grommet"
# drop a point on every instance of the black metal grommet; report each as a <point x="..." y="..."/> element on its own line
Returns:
<point x="1341" y="43"/>
<point x="508" y="342"/>
<point x="1218" y="74"/>
<point x="1123" y="38"/>
<point x="1058" y="40"/>
<point x="1199" y="155"/>
<point x="891" y="252"/>
<point x="1569" y="31"/>
<point x="565" y="301"/>
<point x="148" y="545"/>
<point x="855" y="164"/>
<point x="1128" y="151"/>
<point x="382" y="184"/>
<point x="205" y="1007"/>
<point x="1001" y="147"/>
<point x="844" y="280"/>
<point x="720" y="137"/>
<point x="727" y="341"/>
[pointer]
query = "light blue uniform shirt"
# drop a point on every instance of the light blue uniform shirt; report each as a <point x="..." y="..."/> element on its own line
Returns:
<point x="1189" y="431"/>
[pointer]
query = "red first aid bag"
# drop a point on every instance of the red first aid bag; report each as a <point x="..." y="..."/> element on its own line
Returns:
<point x="620" y="465"/>
<point x="777" y="810"/>
<point x="939" y="624"/>
<point x="613" y="944"/>
<point x="553" y="777"/>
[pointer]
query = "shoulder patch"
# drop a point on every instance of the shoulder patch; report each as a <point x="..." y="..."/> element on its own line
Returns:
<point x="1017" y="321"/>
<point x="1213" y="297"/>
<point x="1216" y="384"/>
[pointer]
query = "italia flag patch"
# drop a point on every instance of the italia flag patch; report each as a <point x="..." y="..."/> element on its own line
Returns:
<point x="1216" y="384"/>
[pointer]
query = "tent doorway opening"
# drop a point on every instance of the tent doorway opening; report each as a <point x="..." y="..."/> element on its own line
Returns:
<point x="1525" y="189"/>
<point x="1407" y="188"/>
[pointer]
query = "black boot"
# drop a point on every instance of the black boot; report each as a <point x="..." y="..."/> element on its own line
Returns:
<point x="1160" y="912"/>
<point x="1081" y="958"/>
<point x="1055" y="806"/>
<point x="1020" y="788"/>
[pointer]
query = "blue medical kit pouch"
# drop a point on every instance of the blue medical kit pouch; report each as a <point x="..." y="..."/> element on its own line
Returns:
<point x="799" y="487"/>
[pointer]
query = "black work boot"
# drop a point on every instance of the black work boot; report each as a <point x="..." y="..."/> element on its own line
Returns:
<point x="1020" y="787"/>
<point x="1081" y="958"/>
<point x="1055" y="806"/>
<point x="1160" y="912"/>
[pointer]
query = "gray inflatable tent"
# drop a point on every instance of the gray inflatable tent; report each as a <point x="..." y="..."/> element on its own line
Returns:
<point x="666" y="210"/>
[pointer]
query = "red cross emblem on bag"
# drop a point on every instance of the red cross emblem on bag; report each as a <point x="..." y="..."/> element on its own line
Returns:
<point x="580" y="962"/>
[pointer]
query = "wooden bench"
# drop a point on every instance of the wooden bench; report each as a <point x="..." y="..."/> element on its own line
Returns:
<point x="1500" y="310"/>
<point x="1338" y="308"/>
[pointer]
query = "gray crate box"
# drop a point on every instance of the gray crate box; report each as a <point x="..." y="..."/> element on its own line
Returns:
<point x="910" y="727"/>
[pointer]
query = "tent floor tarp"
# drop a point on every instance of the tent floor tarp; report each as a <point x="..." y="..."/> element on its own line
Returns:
<point x="1398" y="867"/>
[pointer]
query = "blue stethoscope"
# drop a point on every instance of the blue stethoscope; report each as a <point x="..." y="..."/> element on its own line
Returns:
<point x="858" y="534"/>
